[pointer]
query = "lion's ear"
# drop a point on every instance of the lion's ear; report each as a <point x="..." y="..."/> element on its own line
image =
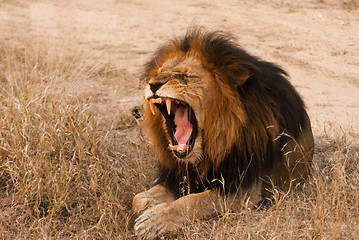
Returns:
<point x="238" y="77"/>
<point x="242" y="79"/>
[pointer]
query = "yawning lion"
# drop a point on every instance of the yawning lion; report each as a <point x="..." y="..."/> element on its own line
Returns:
<point x="225" y="125"/>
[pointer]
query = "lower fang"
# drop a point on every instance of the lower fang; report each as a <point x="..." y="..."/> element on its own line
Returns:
<point x="179" y="147"/>
<point x="152" y="107"/>
<point x="182" y="148"/>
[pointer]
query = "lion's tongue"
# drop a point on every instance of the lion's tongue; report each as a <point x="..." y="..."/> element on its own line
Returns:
<point x="184" y="127"/>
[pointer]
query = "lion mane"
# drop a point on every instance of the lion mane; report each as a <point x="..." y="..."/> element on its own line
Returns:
<point x="233" y="118"/>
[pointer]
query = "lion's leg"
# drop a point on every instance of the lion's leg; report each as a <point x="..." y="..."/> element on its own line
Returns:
<point x="154" y="196"/>
<point x="170" y="216"/>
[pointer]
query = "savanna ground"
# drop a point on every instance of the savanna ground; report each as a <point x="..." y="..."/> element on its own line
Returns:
<point x="72" y="156"/>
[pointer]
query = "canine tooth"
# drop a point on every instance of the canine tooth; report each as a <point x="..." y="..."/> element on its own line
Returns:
<point x="168" y="105"/>
<point x="152" y="107"/>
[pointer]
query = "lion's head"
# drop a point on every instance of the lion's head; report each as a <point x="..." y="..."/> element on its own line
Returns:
<point x="207" y="100"/>
<point x="192" y="106"/>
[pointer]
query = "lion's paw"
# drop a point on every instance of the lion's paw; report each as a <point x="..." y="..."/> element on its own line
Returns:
<point x="143" y="201"/>
<point x="156" y="221"/>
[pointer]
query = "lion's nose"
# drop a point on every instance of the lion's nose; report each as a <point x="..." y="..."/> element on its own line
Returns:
<point x="155" y="86"/>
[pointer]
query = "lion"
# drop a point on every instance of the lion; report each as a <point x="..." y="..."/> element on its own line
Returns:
<point x="227" y="127"/>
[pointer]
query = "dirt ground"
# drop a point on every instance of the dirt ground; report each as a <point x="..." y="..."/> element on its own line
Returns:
<point x="317" y="42"/>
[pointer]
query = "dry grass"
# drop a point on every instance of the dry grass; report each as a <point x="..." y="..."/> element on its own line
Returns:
<point x="327" y="207"/>
<point x="63" y="174"/>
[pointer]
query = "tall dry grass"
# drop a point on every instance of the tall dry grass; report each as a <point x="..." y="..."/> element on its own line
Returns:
<point x="63" y="173"/>
<point x="66" y="172"/>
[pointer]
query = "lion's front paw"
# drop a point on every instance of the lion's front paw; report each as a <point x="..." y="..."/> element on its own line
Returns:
<point x="143" y="201"/>
<point x="156" y="221"/>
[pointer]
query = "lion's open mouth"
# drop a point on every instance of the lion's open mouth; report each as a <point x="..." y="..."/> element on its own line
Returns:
<point x="181" y="123"/>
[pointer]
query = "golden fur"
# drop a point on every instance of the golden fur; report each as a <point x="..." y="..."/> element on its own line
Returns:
<point x="249" y="130"/>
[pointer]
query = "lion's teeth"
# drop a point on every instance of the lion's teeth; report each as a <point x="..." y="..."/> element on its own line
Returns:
<point x="182" y="147"/>
<point x="168" y="104"/>
<point x="179" y="147"/>
<point x="152" y="107"/>
<point x="157" y="100"/>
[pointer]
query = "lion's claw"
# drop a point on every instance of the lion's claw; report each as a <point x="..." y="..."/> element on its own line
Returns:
<point x="143" y="201"/>
<point x="155" y="221"/>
